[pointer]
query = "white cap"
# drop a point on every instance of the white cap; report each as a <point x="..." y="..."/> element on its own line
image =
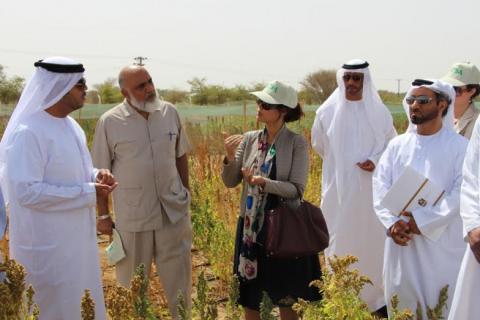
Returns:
<point x="462" y="74"/>
<point x="278" y="93"/>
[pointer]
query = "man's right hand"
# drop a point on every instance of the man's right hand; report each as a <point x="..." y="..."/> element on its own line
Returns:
<point x="400" y="233"/>
<point x="103" y="190"/>
<point x="474" y="241"/>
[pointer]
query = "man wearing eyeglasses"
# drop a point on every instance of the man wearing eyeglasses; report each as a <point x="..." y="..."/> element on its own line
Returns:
<point x="52" y="188"/>
<point x="425" y="247"/>
<point x="144" y="143"/>
<point x="351" y="130"/>
<point x="465" y="79"/>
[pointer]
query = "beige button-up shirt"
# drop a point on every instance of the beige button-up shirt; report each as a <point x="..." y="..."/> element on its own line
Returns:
<point x="142" y="155"/>
<point x="464" y="125"/>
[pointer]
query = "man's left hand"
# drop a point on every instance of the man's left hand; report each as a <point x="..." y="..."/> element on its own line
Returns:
<point x="474" y="241"/>
<point x="104" y="176"/>
<point x="366" y="165"/>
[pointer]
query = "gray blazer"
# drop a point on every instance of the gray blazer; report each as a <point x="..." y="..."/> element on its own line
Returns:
<point x="291" y="161"/>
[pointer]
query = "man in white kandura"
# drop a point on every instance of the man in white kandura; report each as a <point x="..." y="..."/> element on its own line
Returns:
<point x="465" y="303"/>
<point x="350" y="132"/>
<point x="51" y="186"/>
<point x="424" y="249"/>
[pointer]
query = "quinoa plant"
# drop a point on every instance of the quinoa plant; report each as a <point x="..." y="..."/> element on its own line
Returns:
<point x="16" y="298"/>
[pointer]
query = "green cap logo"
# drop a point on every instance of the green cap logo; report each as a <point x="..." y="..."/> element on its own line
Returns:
<point x="273" y="88"/>
<point x="457" y="71"/>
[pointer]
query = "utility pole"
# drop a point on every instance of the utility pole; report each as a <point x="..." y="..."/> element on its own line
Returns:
<point x="139" y="60"/>
<point x="398" y="86"/>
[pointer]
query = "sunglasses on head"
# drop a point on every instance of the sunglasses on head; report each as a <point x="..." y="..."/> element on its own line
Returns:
<point x="420" y="100"/>
<point x="354" y="77"/>
<point x="266" y="106"/>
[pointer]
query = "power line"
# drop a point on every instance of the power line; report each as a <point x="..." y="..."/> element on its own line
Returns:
<point x="139" y="60"/>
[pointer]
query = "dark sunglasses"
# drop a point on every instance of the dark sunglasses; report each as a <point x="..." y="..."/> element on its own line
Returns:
<point x="460" y="90"/>
<point x="266" y="106"/>
<point x="354" y="77"/>
<point x="81" y="84"/>
<point x="420" y="99"/>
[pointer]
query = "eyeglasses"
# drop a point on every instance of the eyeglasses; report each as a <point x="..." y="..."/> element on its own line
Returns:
<point x="266" y="106"/>
<point x="81" y="84"/>
<point x="420" y="99"/>
<point x="354" y="77"/>
<point x="460" y="90"/>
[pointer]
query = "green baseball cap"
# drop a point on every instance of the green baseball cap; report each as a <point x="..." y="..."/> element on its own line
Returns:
<point x="277" y="92"/>
<point x="461" y="74"/>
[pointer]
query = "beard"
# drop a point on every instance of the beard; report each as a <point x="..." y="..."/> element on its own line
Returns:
<point x="422" y="118"/>
<point x="149" y="105"/>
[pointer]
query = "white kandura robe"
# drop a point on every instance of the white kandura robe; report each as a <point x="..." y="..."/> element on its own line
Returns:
<point x="417" y="272"/>
<point x="466" y="301"/>
<point x="52" y="214"/>
<point x="354" y="229"/>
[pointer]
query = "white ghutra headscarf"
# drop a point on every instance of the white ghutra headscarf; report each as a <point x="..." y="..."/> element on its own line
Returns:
<point x="53" y="78"/>
<point x="437" y="86"/>
<point x="379" y="119"/>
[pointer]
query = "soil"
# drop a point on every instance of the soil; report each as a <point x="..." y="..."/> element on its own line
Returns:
<point x="157" y="297"/>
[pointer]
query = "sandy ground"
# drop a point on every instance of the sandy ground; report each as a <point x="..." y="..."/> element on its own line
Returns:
<point x="199" y="264"/>
<point x="157" y="297"/>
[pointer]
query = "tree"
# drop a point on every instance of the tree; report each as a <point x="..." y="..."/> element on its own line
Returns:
<point x="204" y="94"/>
<point x="173" y="95"/>
<point x="10" y="89"/>
<point x="198" y="91"/>
<point x="319" y="85"/>
<point x="389" y="97"/>
<point x="109" y="92"/>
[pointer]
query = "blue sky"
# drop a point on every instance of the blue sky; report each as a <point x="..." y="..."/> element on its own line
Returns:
<point x="240" y="42"/>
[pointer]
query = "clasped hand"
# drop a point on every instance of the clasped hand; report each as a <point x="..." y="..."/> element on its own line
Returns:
<point x="401" y="231"/>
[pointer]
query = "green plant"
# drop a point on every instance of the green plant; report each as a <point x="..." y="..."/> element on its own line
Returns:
<point x="87" y="306"/>
<point x="17" y="303"/>
<point x="139" y="288"/>
<point x="437" y="312"/>
<point x="232" y="309"/>
<point x="204" y="307"/>
<point x="266" y="307"/>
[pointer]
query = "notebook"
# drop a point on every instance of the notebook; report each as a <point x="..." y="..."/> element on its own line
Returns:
<point x="411" y="191"/>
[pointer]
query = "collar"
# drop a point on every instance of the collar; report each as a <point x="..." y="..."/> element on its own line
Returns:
<point x="469" y="115"/>
<point x="127" y="109"/>
<point x="280" y="133"/>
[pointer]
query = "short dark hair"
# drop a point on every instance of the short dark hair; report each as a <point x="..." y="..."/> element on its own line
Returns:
<point x="477" y="90"/>
<point x="293" y="114"/>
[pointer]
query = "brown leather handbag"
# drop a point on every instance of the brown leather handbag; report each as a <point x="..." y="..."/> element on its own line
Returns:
<point x="295" y="232"/>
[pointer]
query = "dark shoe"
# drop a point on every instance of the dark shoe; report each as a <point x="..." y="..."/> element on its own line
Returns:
<point x="382" y="312"/>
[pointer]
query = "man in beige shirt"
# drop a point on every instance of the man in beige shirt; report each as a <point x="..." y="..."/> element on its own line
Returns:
<point x="143" y="143"/>
<point x="465" y="79"/>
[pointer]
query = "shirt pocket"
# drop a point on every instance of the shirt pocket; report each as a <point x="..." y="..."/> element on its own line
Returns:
<point x="131" y="196"/>
<point x="127" y="149"/>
